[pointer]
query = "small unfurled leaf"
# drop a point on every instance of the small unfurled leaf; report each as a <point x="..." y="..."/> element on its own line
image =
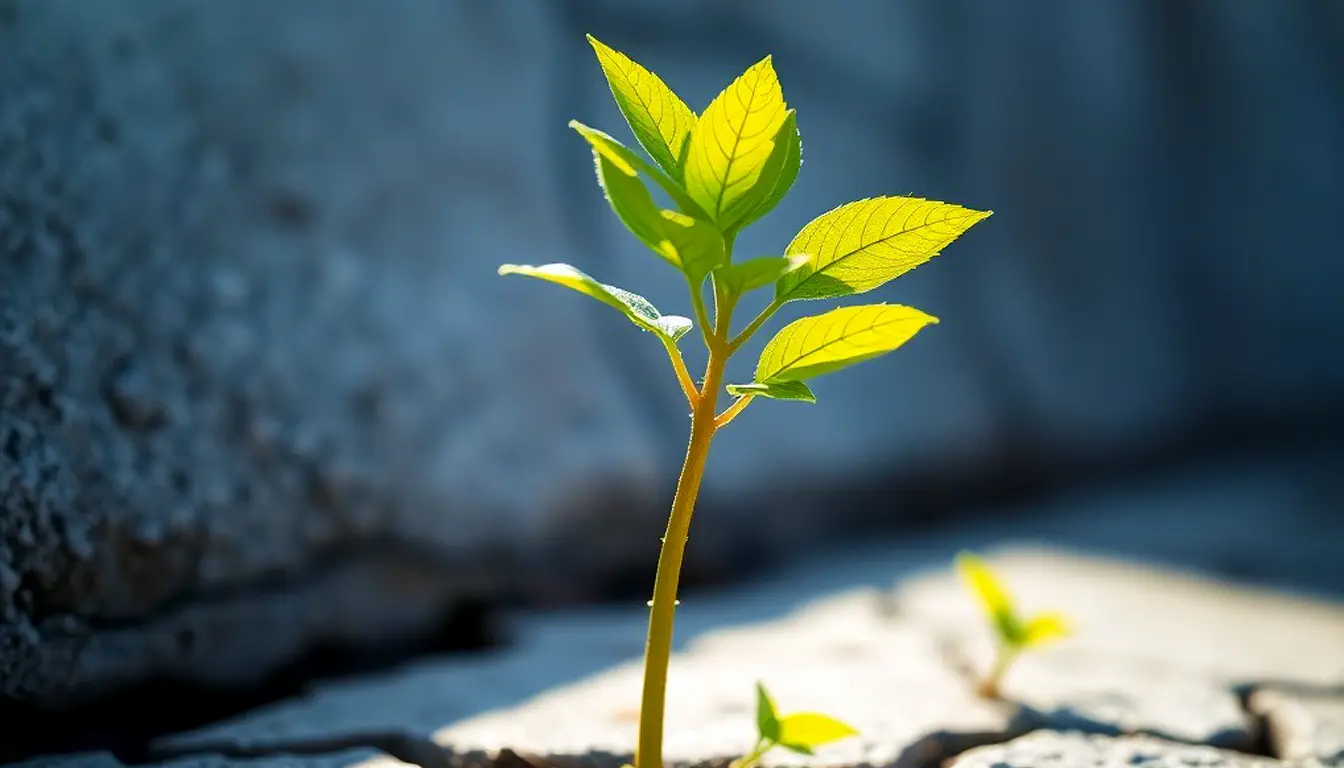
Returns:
<point x="778" y="390"/>
<point x="861" y="245"/>
<point x="993" y="597"/>
<point x="633" y="306"/>
<point x="659" y="119"/>
<point x="734" y="138"/>
<point x="746" y="276"/>
<point x="842" y="337"/>
<point x="777" y="177"/>
<point x="697" y="244"/>
<point x="767" y="720"/>
<point x="1045" y="628"/>
<point x="691" y="245"/>
<point x="615" y="150"/>
<point x="805" y="731"/>
<point x="631" y="201"/>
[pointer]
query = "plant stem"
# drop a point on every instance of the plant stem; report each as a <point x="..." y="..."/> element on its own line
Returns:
<point x="658" y="649"/>
<point x="753" y="326"/>
<point x="989" y="687"/>
<point x="683" y="375"/>
<point x="732" y="411"/>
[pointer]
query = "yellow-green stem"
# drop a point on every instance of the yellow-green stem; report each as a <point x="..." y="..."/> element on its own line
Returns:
<point x="658" y="649"/>
<point x="990" y="686"/>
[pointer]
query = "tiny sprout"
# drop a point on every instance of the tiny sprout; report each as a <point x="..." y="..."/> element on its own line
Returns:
<point x="801" y="732"/>
<point x="1015" y="634"/>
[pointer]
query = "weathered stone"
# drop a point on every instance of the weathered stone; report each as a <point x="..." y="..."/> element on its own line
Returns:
<point x="1130" y="613"/>
<point x="1303" y="722"/>
<point x="1049" y="749"/>
<point x="249" y="321"/>
<point x="570" y="688"/>
<point x="352" y="758"/>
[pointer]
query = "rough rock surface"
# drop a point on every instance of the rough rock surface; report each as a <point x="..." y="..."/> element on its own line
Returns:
<point x="1075" y="750"/>
<point x="353" y="758"/>
<point x="246" y="249"/>
<point x="1303" y="722"/>
<point x="822" y="637"/>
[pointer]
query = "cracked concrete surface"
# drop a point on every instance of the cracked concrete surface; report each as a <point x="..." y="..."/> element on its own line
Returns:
<point x="832" y="634"/>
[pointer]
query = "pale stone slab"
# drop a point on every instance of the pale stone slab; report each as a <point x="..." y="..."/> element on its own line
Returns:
<point x="1303" y="723"/>
<point x="1050" y="749"/>
<point x="352" y="758"/>
<point x="1127" y="612"/>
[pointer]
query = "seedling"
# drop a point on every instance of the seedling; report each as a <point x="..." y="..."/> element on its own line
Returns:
<point x="721" y="171"/>
<point x="801" y="732"/>
<point x="1015" y="634"/>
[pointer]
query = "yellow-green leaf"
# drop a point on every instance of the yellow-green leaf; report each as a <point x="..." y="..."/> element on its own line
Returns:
<point x="777" y="177"/>
<point x="734" y="138"/>
<point x="618" y="152"/>
<point x="767" y="721"/>
<point x="633" y="306"/>
<point x="693" y="246"/>
<point x="1045" y="628"/>
<point x="776" y="390"/>
<point x="861" y="245"/>
<point x="805" y="731"/>
<point x="984" y="583"/>
<point x="745" y="276"/>
<point x="842" y="337"/>
<point x="659" y="119"/>
<point x="993" y="596"/>
<point x="696" y="245"/>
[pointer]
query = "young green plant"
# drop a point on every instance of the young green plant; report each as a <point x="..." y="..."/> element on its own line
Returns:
<point x="801" y="732"/>
<point x="720" y="171"/>
<point x="1014" y="633"/>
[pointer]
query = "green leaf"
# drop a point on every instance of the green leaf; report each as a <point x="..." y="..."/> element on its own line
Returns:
<point x="693" y="246"/>
<point x="633" y="306"/>
<point x="767" y="722"/>
<point x="777" y="177"/>
<point x="1045" y="628"/>
<point x="779" y="390"/>
<point x="659" y="119"/>
<point x="993" y="596"/>
<point x="861" y="245"/>
<point x="805" y="731"/>
<point x="733" y="140"/>
<point x="697" y="245"/>
<point x="746" y="276"/>
<point x="616" y="151"/>
<point x="842" y="337"/>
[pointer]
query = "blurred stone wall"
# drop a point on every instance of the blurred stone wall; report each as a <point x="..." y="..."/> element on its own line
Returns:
<point x="260" y="386"/>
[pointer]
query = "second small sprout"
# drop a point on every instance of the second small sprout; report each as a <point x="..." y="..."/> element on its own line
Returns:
<point x="1015" y="634"/>
<point x="801" y="732"/>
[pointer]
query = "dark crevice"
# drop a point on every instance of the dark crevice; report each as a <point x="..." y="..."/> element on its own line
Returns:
<point x="128" y="722"/>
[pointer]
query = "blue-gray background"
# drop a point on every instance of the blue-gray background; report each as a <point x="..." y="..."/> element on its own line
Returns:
<point x="260" y="387"/>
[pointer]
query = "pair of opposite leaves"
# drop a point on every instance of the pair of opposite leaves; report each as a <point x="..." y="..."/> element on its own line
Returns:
<point x="726" y="168"/>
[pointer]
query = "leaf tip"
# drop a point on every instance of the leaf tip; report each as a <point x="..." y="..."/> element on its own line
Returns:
<point x="506" y="269"/>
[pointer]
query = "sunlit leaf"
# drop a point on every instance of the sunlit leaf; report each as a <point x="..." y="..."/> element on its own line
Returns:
<point x="635" y="307"/>
<point x="691" y="245"/>
<point x="617" y="151"/>
<point x="777" y="177"/>
<point x="993" y="596"/>
<point x="767" y="721"/>
<point x="861" y="245"/>
<point x="659" y="119"/>
<point x="631" y="201"/>
<point x="778" y="390"/>
<point x="697" y="244"/>
<point x="1045" y="628"/>
<point x="805" y="731"/>
<point x="745" y="276"/>
<point x="842" y="337"/>
<point x="734" y="138"/>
